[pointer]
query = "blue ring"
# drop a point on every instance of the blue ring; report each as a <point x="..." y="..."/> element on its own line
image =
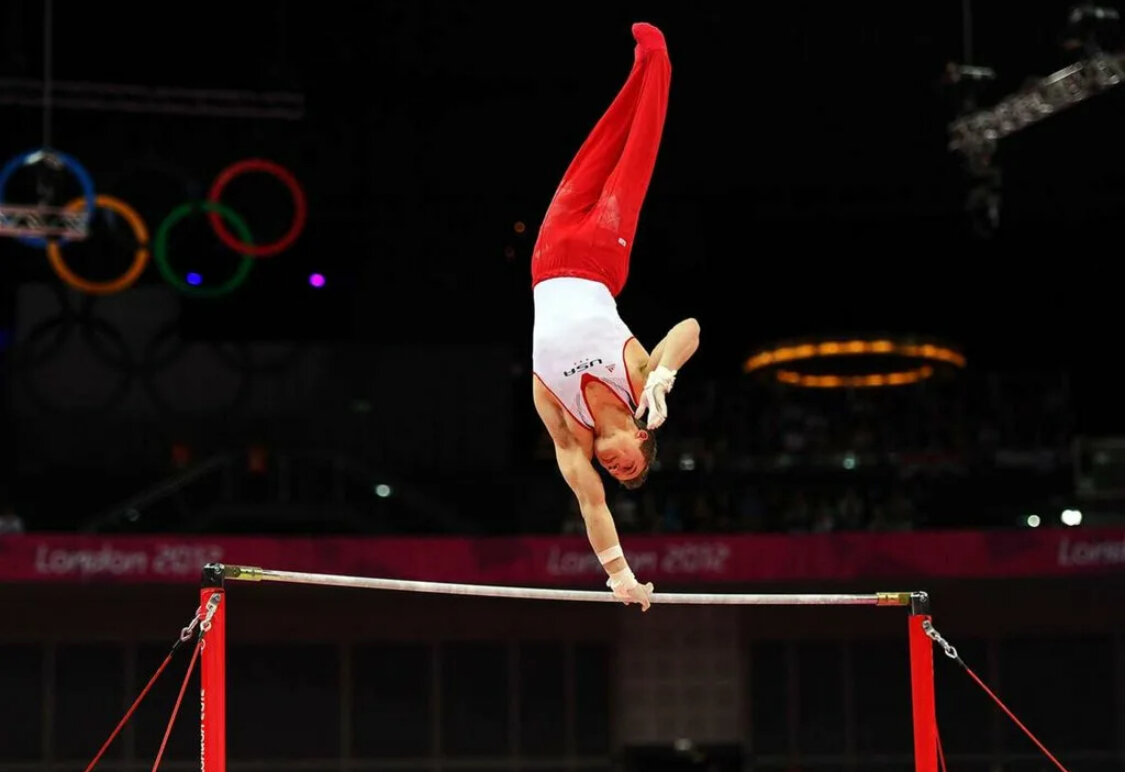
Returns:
<point x="69" y="163"/>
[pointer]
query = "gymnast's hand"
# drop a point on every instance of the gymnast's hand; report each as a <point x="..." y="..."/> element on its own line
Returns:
<point x="654" y="396"/>
<point x="635" y="592"/>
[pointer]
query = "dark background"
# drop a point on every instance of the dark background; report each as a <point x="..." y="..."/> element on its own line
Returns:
<point x="804" y="188"/>
<point x="803" y="185"/>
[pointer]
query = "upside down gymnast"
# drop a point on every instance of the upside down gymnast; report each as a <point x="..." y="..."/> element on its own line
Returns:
<point x="588" y="367"/>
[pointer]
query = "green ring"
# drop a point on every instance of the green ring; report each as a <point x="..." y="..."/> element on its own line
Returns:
<point x="159" y="249"/>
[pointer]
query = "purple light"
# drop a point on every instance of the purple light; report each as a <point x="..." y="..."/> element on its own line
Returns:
<point x="316" y="280"/>
<point x="194" y="279"/>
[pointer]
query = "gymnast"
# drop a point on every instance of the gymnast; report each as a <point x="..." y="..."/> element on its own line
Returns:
<point x="588" y="367"/>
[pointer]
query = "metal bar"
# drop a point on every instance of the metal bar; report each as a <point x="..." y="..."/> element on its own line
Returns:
<point x="1045" y="97"/>
<point x="255" y="574"/>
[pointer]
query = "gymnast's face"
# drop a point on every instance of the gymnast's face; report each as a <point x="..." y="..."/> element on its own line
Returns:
<point x="620" y="453"/>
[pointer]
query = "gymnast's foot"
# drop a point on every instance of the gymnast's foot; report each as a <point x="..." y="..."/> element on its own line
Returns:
<point x="648" y="38"/>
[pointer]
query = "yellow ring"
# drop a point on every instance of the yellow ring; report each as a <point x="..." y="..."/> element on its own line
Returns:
<point x="872" y="380"/>
<point x="852" y="347"/>
<point x="140" y="257"/>
<point x="777" y="357"/>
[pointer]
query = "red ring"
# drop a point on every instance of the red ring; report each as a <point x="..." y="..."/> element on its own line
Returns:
<point x="281" y="173"/>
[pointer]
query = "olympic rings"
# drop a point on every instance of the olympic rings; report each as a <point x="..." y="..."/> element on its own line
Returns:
<point x="217" y="213"/>
<point x="281" y="173"/>
<point x="69" y="163"/>
<point x="140" y="257"/>
<point x="160" y="250"/>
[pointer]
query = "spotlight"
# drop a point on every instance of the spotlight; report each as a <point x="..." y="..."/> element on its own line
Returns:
<point x="316" y="280"/>
<point x="382" y="490"/>
<point x="194" y="279"/>
<point x="1033" y="521"/>
<point x="1071" y="517"/>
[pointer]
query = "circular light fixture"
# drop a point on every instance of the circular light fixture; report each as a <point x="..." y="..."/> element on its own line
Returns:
<point x="910" y="360"/>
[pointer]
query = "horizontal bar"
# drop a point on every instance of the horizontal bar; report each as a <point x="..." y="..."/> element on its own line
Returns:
<point x="254" y="574"/>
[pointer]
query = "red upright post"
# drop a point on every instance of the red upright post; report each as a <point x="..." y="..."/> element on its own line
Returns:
<point x="922" y="686"/>
<point x="213" y="677"/>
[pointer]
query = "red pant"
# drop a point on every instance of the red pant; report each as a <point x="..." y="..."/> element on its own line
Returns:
<point x="588" y="229"/>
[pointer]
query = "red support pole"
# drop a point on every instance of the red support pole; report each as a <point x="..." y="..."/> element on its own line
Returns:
<point x="213" y="677"/>
<point x="922" y="692"/>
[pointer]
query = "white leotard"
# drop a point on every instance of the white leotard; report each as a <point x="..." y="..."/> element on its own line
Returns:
<point x="578" y="335"/>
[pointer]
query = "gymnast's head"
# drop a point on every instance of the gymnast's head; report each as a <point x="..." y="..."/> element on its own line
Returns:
<point x="627" y="453"/>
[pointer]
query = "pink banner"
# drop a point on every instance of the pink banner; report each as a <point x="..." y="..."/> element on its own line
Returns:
<point x="561" y="561"/>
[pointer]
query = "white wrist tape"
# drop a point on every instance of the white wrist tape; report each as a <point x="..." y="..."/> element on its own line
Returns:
<point x="622" y="580"/>
<point x="610" y="554"/>
<point x="663" y="375"/>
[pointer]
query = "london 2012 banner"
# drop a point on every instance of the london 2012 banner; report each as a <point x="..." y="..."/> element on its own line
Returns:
<point x="568" y="561"/>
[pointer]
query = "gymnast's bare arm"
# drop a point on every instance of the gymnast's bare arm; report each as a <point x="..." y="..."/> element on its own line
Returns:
<point x="574" y="462"/>
<point x="677" y="347"/>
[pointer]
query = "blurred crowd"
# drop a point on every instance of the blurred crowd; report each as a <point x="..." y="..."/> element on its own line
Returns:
<point x="736" y="455"/>
<point x="965" y="416"/>
<point x="747" y="456"/>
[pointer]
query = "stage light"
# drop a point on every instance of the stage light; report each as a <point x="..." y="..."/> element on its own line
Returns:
<point x="1033" y="521"/>
<point x="1071" y="517"/>
<point x="194" y="279"/>
<point x="382" y="490"/>
<point x="316" y="280"/>
<point x="921" y="357"/>
<point x="1092" y="31"/>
